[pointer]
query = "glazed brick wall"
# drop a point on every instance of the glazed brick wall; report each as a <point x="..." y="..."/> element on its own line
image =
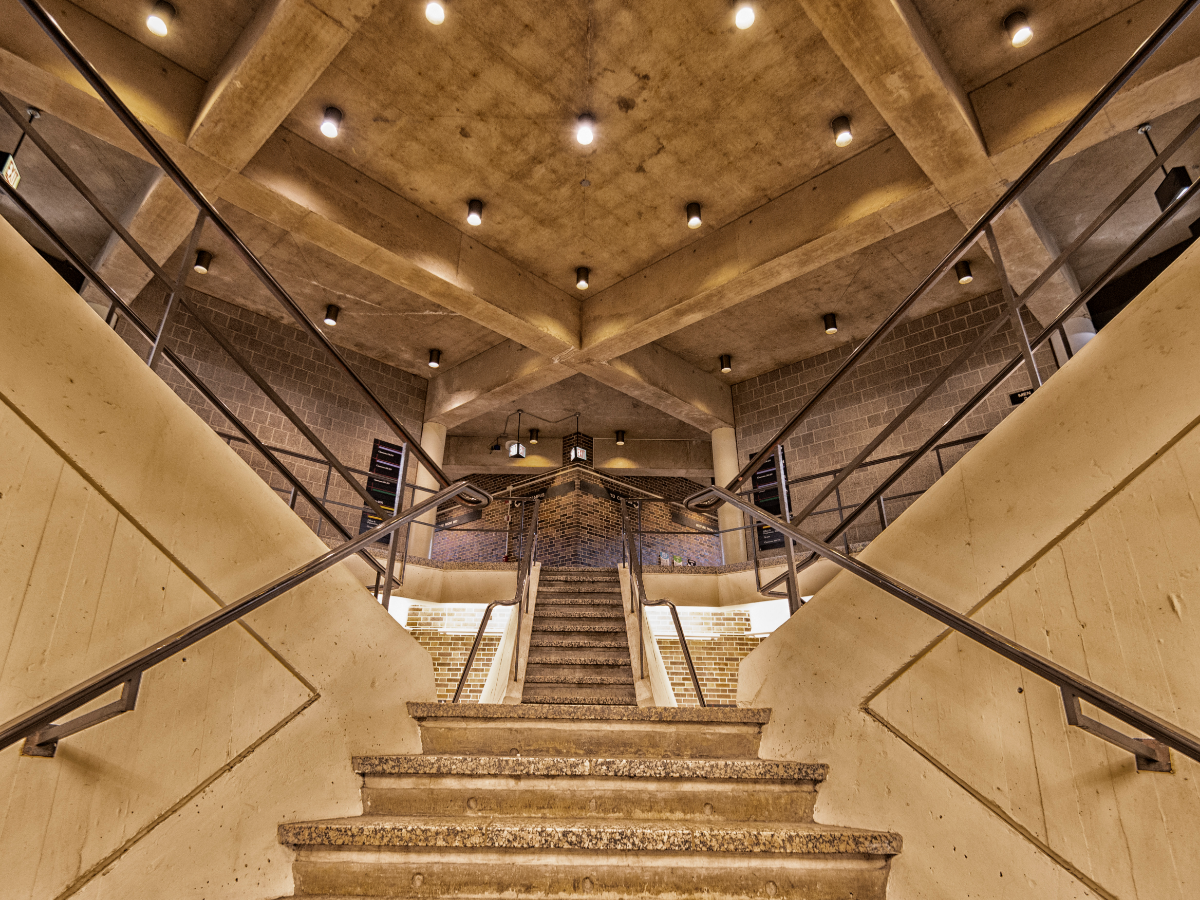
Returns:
<point x="447" y="632"/>
<point x="889" y="378"/>
<point x="297" y="369"/>
<point x="718" y="641"/>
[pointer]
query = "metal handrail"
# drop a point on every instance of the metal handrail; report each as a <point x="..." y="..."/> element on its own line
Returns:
<point x="975" y="233"/>
<point x="110" y="98"/>
<point x="1070" y="684"/>
<point x="520" y="600"/>
<point x="637" y="601"/>
<point x="32" y="724"/>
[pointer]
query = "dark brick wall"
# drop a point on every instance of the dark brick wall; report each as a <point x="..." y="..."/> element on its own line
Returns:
<point x="295" y="367"/>
<point x="888" y="379"/>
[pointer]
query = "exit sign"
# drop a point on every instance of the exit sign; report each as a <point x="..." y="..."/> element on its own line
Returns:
<point x="10" y="172"/>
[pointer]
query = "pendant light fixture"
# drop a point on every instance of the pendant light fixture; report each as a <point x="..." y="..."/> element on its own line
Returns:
<point x="202" y="263"/>
<point x="161" y="17"/>
<point x="962" y="271"/>
<point x="1017" y="26"/>
<point x="1176" y="182"/>
<point x="830" y="323"/>
<point x="435" y="359"/>
<point x="726" y="363"/>
<point x="693" y="215"/>
<point x="331" y="314"/>
<point x="842" y="135"/>
<point x="533" y="436"/>
<point x="331" y="124"/>
<point x="516" y="450"/>
<point x="620" y="439"/>
<point x="475" y="212"/>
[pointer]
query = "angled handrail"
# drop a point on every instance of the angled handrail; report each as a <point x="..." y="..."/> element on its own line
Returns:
<point x="37" y="724"/>
<point x="110" y="98"/>
<point x="637" y="601"/>
<point x="520" y="600"/>
<point x="1070" y="684"/>
<point x="975" y="233"/>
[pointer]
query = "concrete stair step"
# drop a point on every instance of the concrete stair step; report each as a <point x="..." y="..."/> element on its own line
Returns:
<point x="558" y="692"/>
<point x="586" y="612"/>
<point x="623" y="671"/>
<point x="543" y="625"/>
<point x="571" y="601"/>
<point x="590" y="590"/>
<point x="595" y="643"/>
<point x="572" y="699"/>
<point x="576" y="677"/>
<point x="567" y="658"/>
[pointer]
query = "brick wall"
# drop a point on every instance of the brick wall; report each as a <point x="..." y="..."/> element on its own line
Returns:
<point x="889" y="378"/>
<point x="718" y="641"/>
<point x="447" y="632"/>
<point x="295" y="367"/>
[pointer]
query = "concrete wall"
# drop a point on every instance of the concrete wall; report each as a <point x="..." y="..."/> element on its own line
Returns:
<point x="123" y="517"/>
<point x="1073" y="528"/>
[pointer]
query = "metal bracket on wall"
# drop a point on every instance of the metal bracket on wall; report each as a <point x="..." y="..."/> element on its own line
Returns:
<point x="1151" y="755"/>
<point x="45" y="742"/>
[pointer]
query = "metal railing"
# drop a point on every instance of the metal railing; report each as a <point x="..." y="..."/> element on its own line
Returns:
<point x="520" y="598"/>
<point x="982" y="231"/>
<point x="638" y="601"/>
<point x="38" y="727"/>
<point x="1152" y="755"/>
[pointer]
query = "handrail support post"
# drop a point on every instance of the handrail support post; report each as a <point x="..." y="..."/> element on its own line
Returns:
<point x="1151" y="755"/>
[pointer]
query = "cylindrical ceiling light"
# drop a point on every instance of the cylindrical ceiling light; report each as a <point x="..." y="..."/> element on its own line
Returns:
<point x="581" y="277"/>
<point x="842" y="135"/>
<point x="743" y="14"/>
<point x="331" y="314"/>
<point x="620" y="439"/>
<point x="830" y="323"/>
<point x="331" y="125"/>
<point x="1017" y="26"/>
<point x="726" y="363"/>
<point x="693" y="215"/>
<point x="475" y="212"/>
<point x="435" y="12"/>
<point x="533" y="435"/>
<point x="585" y="129"/>
<point x="962" y="271"/>
<point x="203" y="261"/>
<point x="160" y="19"/>
<point x="435" y="358"/>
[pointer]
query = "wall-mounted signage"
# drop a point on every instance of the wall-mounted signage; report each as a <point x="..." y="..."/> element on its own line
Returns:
<point x="766" y="497"/>
<point x="9" y="171"/>
<point x="1019" y="397"/>
<point x="385" y="462"/>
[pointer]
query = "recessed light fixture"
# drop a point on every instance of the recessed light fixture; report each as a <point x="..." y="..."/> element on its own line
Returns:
<point x="743" y="15"/>
<point x="620" y="439"/>
<point x="331" y="125"/>
<point x="475" y="212"/>
<point x="693" y="215"/>
<point x="203" y="261"/>
<point x="585" y="129"/>
<point x="726" y="363"/>
<point x="331" y="314"/>
<point x="533" y="435"/>
<point x="842" y="135"/>
<point x="435" y="12"/>
<point x="1017" y="26"/>
<point x="435" y="359"/>
<point x="1176" y="182"/>
<point x="962" y="271"/>
<point x="160" y="19"/>
<point x="581" y="277"/>
<point x="830" y="323"/>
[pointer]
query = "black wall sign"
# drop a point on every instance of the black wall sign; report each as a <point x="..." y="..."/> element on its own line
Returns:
<point x="385" y="461"/>
<point x="766" y="497"/>
<point x="1019" y="397"/>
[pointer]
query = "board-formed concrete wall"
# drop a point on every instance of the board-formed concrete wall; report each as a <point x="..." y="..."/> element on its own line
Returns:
<point x="122" y="518"/>
<point x="1074" y="528"/>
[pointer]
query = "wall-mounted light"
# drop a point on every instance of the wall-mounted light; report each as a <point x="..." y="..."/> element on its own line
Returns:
<point x="203" y="261"/>
<point x="962" y="271"/>
<point x="331" y="125"/>
<point x="1017" y="26"/>
<point x="533" y="435"/>
<point x="726" y="363"/>
<point x="475" y="212"/>
<point x="620" y="439"/>
<point x="435" y="358"/>
<point x="435" y="12"/>
<point x="331" y="314"/>
<point x="693" y="215"/>
<point x="1175" y="183"/>
<point x="585" y="129"/>
<point x="581" y="277"/>
<point x="743" y="14"/>
<point x="830" y="323"/>
<point x="842" y="135"/>
<point x="160" y="19"/>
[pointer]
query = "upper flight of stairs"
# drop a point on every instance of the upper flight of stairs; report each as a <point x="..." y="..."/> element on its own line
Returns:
<point x="550" y="802"/>
<point x="579" y="652"/>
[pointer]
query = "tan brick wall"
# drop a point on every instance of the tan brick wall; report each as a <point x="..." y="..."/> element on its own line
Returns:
<point x="447" y="632"/>
<point x="718" y="641"/>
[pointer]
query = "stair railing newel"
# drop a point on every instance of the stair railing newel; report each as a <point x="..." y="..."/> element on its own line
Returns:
<point x="632" y="556"/>
<point x="521" y="598"/>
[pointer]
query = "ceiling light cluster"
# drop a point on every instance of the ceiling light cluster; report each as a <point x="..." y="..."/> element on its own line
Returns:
<point x="160" y="19"/>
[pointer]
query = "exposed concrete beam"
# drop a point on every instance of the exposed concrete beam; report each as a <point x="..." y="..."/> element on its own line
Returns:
<point x="689" y="459"/>
<point x="497" y="376"/>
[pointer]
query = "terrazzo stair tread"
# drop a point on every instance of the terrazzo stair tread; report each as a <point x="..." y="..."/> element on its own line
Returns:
<point x="571" y="626"/>
<point x="576" y="643"/>
<point x="587" y="670"/>
<point x="571" y="602"/>
<point x="577" y="678"/>
<point x="740" y="770"/>
<point x="542" y="659"/>
<point x="422" y="711"/>
<point x="521" y="834"/>
<point x="580" y="695"/>
<point x="580" y="589"/>
<point x="581" y="613"/>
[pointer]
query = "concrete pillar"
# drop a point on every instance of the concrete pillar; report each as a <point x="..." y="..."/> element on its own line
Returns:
<point x="725" y="469"/>
<point x="433" y="442"/>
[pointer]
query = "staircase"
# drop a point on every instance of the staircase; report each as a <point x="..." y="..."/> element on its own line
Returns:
<point x="528" y="801"/>
<point x="579" y="651"/>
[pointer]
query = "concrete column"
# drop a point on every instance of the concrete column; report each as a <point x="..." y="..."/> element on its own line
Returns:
<point x="725" y="469"/>
<point x="433" y="442"/>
